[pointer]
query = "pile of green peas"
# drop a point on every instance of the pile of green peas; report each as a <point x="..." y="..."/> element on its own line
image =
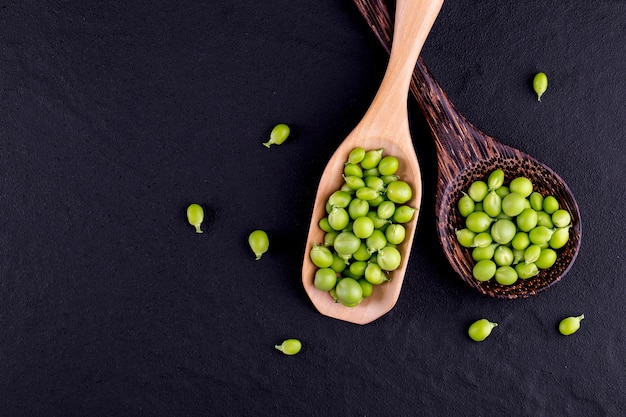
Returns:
<point x="512" y="230"/>
<point x="363" y="225"/>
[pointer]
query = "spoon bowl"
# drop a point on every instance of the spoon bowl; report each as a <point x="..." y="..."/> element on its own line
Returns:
<point x="384" y="126"/>
<point x="466" y="154"/>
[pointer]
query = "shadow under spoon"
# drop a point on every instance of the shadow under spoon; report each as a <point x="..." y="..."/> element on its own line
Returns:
<point x="466" y="154"/>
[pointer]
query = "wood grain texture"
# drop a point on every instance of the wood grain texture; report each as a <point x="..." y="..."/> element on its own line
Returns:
<point x="385" y="125"/>
<point x="465" y="154"/>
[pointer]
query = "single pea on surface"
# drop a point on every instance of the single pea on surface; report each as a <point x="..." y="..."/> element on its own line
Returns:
<point x="481" y="329"/>
<point x="259" y="243"/>
<point x="290" y="346"/>
<point x="570" y="325"/>
<point x="195" y="216"/>
<point x="278" y="135"/>
<point x="540" y="84"/>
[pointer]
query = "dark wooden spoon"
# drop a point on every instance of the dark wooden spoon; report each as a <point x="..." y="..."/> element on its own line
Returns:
<point x="465" y="154"/>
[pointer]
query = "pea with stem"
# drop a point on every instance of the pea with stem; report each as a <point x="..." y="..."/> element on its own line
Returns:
<point x="570" y="325"/>
<point x="290" y="346"/>
<point x="540" y="84"/>
<point x="195" y="216"/>
<point x="259" y="243"/>
<point x="278" y="135"/>
<point x="481" y="329"/>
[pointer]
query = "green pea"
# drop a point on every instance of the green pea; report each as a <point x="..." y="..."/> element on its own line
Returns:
<point x="259" y="243"/>
<point x="506" y="275"/>
<point x="386" y="210"/>
<point x="378" y="222"/>
<point x="544" y="219"/>
<point x="375" y="202"/>
<point x="325" y="279"/>
<point x="388" y="165"/>
<point x="503" y="231"/>
<point x="399" y="192"/>
<point x="374" y="274"/>
<point x="484" y="270"/>
<point x="482" y="239"/>
<point x="376" y="241"/>
<point x="356" y="155"/>
<point x="481" y="329"/>
<point x="349" y="291"/>
<point x="495" y="179"/>
<point x="339" y="199"/>
<point x="329" y="238"/>
<point x="570" y="325"/>
<point x="388" y="179"/>
<point x="325" y="225"/>
<point x="371" y="172"/>
<point x="513" y="204"/>
<point x="478" y="190"/>
<point x="479" y="206"/>
<point x="478" y="221"/>
<point x="466" y="205"/>
<point x="546" y="259"/>
<point x="346" y="243"/>
<point x="465" y="237"/>
<point x="503" y="256"/>
<point x="290" y="346"/>
<point x="367" y="194"/>
<point x="550" y="204"/>
<point x="561" y="218"/>
<point x="527" y="220"/>
<point x="346" y="188"/>
<point x="278" y="135"/>
<point x="338" y="218"/>
<point x="352" y="170"/>
<point x="361" y="254"/>
<point x="366" y="287"/>
<point x="526" y="271"/>
<point x="339" y="264"/>
<point x="503" y="191"/>
<point x="358" y="208"/>
<point x="363" y="227"/>
<point x="540" y="84"/>
<point x="395" y="234"/>
<point x="540" y="235"/>
<point x="522" y="186"/>
<point x="484" y="253"/>
<point x="354" y="182"/>
<point x="321" y="256"/>
<point x="375" y="183"/>
<point x="531" y="254"/>
<point x="388" y="258"/>
<point x="536" y="201"/>
<point x="520" y="241"/>
<point x="358" y="268"/>
<point x="372" y="158"/>
<point x="403" y="214"/>
<point x="559" y="238"/>
<point x="195" y="216"/>
<point x="492" y="204"/>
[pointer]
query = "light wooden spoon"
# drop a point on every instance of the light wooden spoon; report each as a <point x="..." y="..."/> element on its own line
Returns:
<point x="466" y="154"/>
<point x="385" y="125"/>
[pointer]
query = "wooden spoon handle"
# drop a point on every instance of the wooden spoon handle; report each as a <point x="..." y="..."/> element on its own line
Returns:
<point x="457" y="141"/>
<point x="413" y="21"/>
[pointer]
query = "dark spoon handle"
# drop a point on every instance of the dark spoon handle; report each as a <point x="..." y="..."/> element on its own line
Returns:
<point x="458" y="142"/>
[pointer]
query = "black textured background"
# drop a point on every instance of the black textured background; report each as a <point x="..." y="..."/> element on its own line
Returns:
<point x="115" y="115"/>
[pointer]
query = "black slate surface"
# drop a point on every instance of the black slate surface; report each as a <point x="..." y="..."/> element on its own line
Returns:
<point x="115" y="115"/>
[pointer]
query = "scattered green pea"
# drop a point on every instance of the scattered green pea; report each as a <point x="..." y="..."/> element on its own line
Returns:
<point x="540" y="84"/>
<point x="290" y="346"/>
<point x="481" y="329"/>
<point x="570" y="325"/>
<point x="278" y="135"/>
<point x="195" y="216"/>
<point x="259" y="243"/>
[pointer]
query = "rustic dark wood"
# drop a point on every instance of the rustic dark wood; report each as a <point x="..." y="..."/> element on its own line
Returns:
<point x="466" y="154"/>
